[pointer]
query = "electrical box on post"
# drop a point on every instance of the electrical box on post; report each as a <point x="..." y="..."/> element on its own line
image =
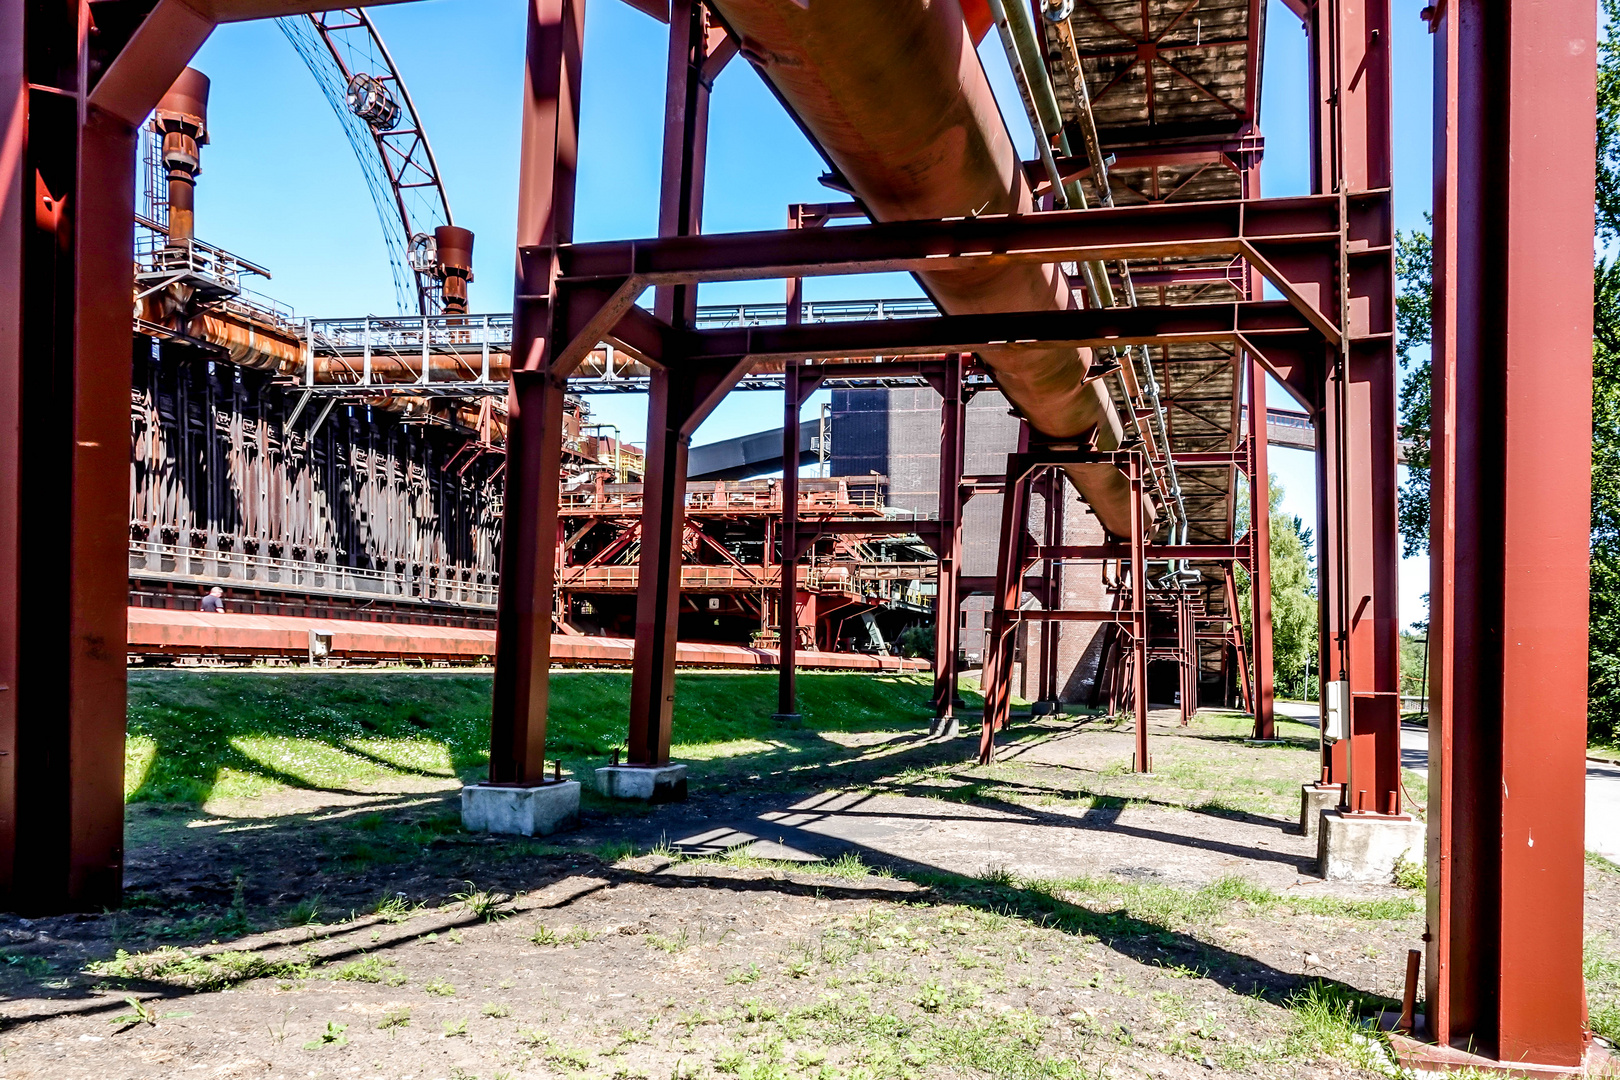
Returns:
<point x="1336" y="711"/>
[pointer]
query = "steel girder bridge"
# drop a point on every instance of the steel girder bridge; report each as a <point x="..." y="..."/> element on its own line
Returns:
<point x="1112" y="86"/>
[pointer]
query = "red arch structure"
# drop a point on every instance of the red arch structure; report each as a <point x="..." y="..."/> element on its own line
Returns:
<point x="1514" y="137"/>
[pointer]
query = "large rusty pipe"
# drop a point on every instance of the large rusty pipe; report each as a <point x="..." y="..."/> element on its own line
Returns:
<point x="895" y="95"/>
<point x="182" y="118"/>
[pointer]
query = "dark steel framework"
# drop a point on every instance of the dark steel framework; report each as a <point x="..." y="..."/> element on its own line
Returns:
<point x="1514" y="236"/>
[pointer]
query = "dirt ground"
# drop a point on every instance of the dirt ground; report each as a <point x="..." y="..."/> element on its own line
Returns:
<point x="900" y="915"/>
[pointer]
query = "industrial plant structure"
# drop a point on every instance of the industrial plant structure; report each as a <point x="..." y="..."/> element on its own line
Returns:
<point x="1126" y="294"/>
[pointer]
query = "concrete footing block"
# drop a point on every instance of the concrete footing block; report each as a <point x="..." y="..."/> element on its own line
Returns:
<point x="1313" y="799"/>
<point x="647" y="783"/>
<point x="1043" y="708"/>
<point x="520" y="811"/>
<point x="787" y="718"/>
<point x="944" y="727"/>
<point x="1365" y="847"/>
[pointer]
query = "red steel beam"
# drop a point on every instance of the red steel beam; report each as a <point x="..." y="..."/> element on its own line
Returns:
<point x="1514" y="115"/>
<point x="1225" y="324"/>
<point x="1218" y="552"/>
<point x="1159" y="230"/>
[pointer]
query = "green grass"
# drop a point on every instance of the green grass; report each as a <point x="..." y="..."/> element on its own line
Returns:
<point x="194" y="736"/>
<point x="1171" y="908"/>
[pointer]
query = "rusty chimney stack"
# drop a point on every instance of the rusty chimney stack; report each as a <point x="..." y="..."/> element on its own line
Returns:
<point x="454" y="246"/>
<point x="182" y="118"/>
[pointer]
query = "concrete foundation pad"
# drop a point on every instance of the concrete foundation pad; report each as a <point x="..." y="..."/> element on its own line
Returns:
<point x="1365" y="847"/>
<point x="520" y="811"/>
<point x="1313" y="799"/>
<point x="787" y="718"/>
<point x="944" y="727"/>
<point x="647" y="783"/>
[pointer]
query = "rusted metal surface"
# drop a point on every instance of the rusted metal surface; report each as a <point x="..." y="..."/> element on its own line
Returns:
<point x="1514" y="109"/>
<point x="182" y="117"/>
<point x="159" y="632"/>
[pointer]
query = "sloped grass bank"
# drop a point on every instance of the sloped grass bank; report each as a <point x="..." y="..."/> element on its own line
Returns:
<point x="229" y="734"/>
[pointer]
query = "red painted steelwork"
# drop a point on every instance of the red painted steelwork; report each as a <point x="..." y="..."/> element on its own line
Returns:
<point x="1262" y="699"/>
<point x="1140" y="762"/>
<point x="1514" y="109"/>
<point x="947" y="604"/>
<point x="163" y="632"/>
<point x="535" y="402"/>
<point x="895" y="95"/>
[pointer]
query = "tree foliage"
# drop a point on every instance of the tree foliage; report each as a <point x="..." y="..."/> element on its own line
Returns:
<point x="1293" y="600"/>
<point x="1414" y="267"/>
<point x="1603" y="669"/>
<point x="1414" y="320"/>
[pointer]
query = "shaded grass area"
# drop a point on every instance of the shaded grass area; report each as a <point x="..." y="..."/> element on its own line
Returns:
<point x="195" y="736"/>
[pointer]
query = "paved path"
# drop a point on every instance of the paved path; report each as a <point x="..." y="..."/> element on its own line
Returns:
<point x="1602" y="782"/>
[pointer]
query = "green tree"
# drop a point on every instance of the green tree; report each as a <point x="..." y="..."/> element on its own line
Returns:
<point x="1414" y="306"/>
<point x="1603" y="667"/>
<point x="1293" y="600"/>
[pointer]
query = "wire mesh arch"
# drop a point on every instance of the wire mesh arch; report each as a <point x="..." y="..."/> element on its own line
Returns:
<point x="360" y="80"/>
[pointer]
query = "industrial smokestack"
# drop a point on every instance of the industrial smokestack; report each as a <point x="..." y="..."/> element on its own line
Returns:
<point x="453" y="266"/>
<point x="182" y="118"/>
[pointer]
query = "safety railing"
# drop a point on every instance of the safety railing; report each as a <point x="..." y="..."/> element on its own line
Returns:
<point x="207" y="567"/>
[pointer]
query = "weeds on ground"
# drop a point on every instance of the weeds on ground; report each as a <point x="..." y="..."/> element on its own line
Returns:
<point x="197" y="971"/>
<point x="332" y="1036"/>
<point x="573" y="935"/>
<point x="140" y="1013"/>
<point x="1411" y="874"/>
<point x="481" y="904"/>
<point x="371" y="969"/>
<point x="396" y="909"/>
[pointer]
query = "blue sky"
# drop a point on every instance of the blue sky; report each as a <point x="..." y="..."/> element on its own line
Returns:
<point x="281" y="187"/>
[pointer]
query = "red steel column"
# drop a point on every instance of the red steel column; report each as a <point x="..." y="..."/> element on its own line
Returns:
<point x="66" y="233"/>
<point x="1139" y="621"/>
<point x="1515" y="106"/>
<point x="947" y="602"/>
<point x="996" y="678"/>
<point x="1263" y="697"/>
<point x="556" y="30"/>
<point x="670" y="402"/>
<point x="1236" y="635"/>
<point x="787" y="701"/>
<point x="1357" y="494"/>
